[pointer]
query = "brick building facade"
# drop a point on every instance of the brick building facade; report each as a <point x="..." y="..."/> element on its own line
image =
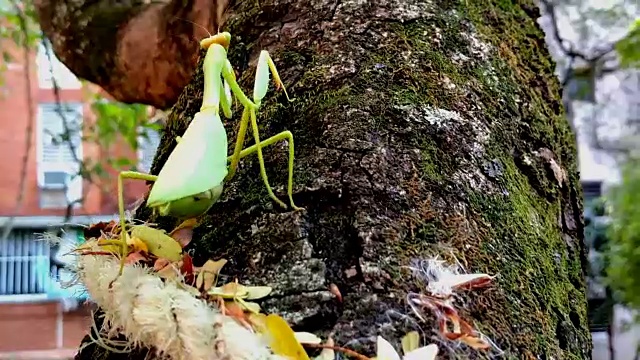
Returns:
<point x="36" y="312"/>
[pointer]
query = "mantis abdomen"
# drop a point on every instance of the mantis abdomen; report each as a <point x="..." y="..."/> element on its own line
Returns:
<point x="185" y="173"/>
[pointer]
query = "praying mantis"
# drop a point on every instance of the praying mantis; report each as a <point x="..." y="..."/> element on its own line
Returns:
<point x="193" y="177"/>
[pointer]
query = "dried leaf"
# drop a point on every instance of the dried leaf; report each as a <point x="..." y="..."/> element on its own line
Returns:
<point x="230" y="290"/>
<point x="134" y="258"/>
<point x="159" y="243"/>
<point x="250" y="306"/>
<point x="208" y="273"/>
<point x="327" y="353"/>
<point x="385" y="351"/>
<point x="257" y="292"/>
<point x="169" y="272"/>
<point x="95" y="230"/>
<point x="470" y="281"/>
<point x="187" y="269"/>
<point x="333" y="288"/>
<point x="410" y="342"/>
<point x="259" y="322"/>
<point x="184" y="232"/>
<point x="160" y="264"/>
<point x="428" y="352"/>
<point x="307" y="338"/>
<point x="475" y="342"/>
<point x="282" y="339"/>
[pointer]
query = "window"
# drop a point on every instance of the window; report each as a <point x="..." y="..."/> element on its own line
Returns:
<point x="147" y="146"/>
<point x="591" y="190"/>
<point x="53" y="69"/>
<point x="24" y="265"/>
<point x="58" y="153"/>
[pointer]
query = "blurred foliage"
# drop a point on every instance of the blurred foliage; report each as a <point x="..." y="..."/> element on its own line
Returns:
<point x="624" y="247"/>
<point x="114" y="123"/>
<point x="629" y="47"/>
<point x="18" y="25"/>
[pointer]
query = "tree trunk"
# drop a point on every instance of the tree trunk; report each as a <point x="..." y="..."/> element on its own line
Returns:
<point x="421" y="129"/>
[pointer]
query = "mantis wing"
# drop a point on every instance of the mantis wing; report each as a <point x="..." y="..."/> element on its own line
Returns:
<point x="198" y="162"/>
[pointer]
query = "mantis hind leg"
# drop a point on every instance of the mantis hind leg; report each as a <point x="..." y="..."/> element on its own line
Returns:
<point x="257" y="148"/>
<point x="123" y="234"/>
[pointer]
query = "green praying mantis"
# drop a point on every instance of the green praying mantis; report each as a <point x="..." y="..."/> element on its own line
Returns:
<point x="193" y="176"/>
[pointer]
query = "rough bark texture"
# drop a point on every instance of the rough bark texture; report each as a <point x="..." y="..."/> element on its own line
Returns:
<point x="422" y="129"/>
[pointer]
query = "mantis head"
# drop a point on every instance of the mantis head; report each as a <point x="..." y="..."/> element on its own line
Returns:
<point x="223" y="39"/>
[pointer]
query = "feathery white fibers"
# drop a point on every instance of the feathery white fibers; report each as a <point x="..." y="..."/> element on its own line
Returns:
<point x="161" y="315"/>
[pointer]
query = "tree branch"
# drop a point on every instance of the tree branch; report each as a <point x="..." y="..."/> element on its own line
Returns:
<point x="151" y="56"/>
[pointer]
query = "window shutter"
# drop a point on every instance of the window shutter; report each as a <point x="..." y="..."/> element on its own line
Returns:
<point x="55" y="148"/>
<point x="58" y="166"/>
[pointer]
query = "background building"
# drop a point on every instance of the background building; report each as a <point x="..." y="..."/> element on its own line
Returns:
<point x="43" y="193"/>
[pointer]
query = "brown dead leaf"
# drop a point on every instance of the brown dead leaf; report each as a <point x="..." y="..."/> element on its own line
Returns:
<point x="169" y="272"/>
<point x="160" y="264"/>
<point x="184" y="232"/>
<point x="258" y="322"/>
<point x="96" y="230"/>
<point x="208" y="274"/>
<point x="187" y="269"/>
<point x="134" y="258"/>
<point x="475" y="342"/>
<point x="333" y="288"/>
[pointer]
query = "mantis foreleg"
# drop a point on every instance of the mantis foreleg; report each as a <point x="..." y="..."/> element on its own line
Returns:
<point x="123" y="234"/>
<point x="249" y="114"/>
<point x="244" y="121"/>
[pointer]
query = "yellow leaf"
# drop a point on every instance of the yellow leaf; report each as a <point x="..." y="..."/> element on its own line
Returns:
<point x="230" y="290"/>
<point x="249" y="306"/>
<point x="158" y="242"/>
<point x="282" y="339"/>
<point x="258" y="292"/>
<point x="137" y="244"/>
<point x="169" y="272"/>
<point x="410" y="342"/>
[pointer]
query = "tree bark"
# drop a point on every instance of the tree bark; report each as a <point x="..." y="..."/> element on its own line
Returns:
<point x="422" y="129"/>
